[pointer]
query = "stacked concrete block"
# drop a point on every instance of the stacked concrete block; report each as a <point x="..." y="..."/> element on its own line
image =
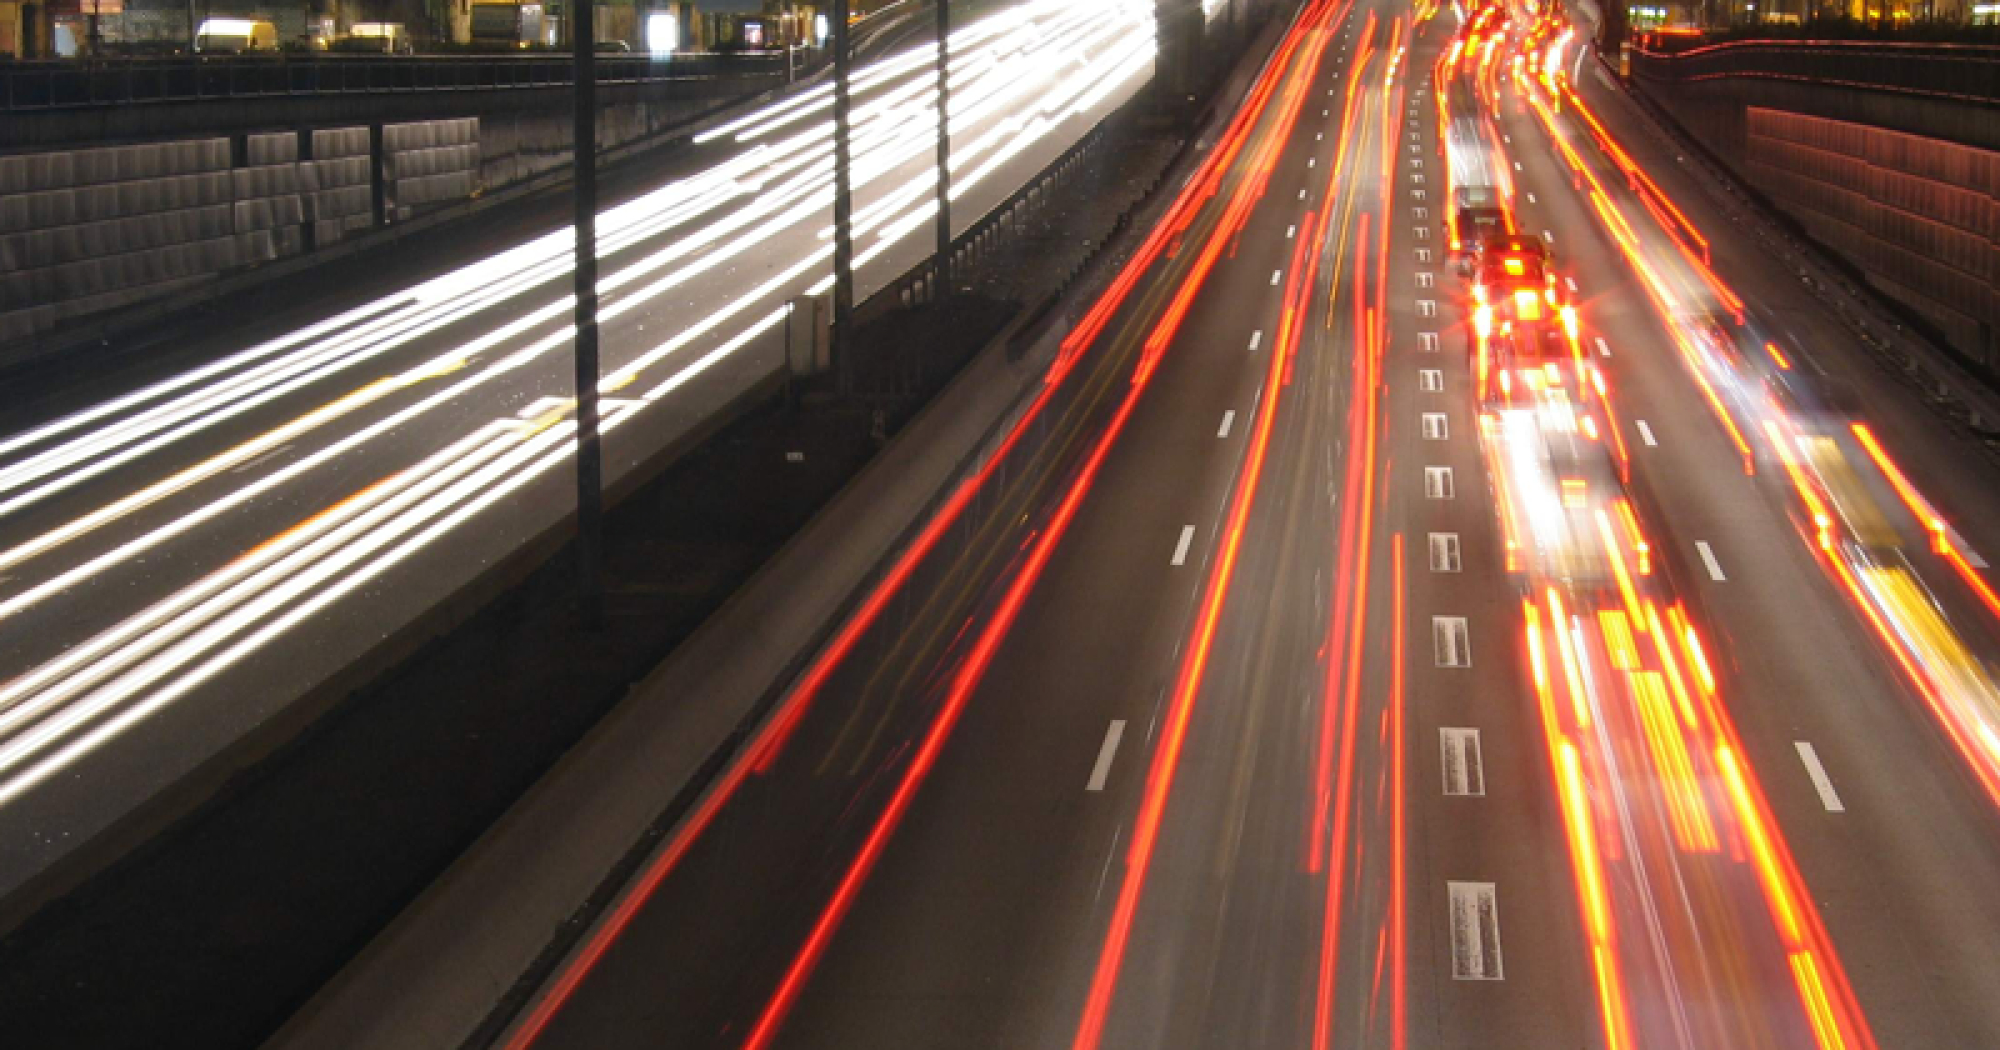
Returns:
<point x="428" y="163"/>
<point x="339" y="196"/>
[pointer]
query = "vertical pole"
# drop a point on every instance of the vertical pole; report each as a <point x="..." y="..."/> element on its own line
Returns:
<point x="843" y="210"/>
<point x="941" y="278"/>
<point x="589" y="452"/>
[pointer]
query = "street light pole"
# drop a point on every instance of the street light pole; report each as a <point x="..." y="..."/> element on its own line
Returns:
<point x="941" y="278"/>
<point x="843" y="211"/>
<point x="589" y="450"/>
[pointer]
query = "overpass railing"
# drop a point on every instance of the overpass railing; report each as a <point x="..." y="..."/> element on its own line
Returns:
<point x="32" y="86"/>
<point x="1960" y="72"/>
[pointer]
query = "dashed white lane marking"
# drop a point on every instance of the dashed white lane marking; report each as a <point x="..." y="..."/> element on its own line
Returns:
<point x="1708" y="559"/>
<point x="1451" y="641"/>
<point x="1475" y="932"/>
<point x="1312" y="162"/>
<point x="261" y="460"/>
<point x="1302" y="195"/>
<point x="1444" y="552"/>
<point x="1571" y="282"/>
<point x="1317" y="137"/>
<point x="1256" y="337"/>
<point x="1427" y="308"/>
<point x="1549" y="237"/>
<point x="1430" y="380"/>
<point x="1290" y="232"/>
<point x="1437" y="482"/>
<point x="1603" y="348"/>
<point x="1228" y="420"/>
<point x="1181" y="548"/>
<point x="1531" y="198"/>
<point x="1107" y="751"/>
<point x="1517" y="165"/>
<point x="1274" y="275"/>
<point x="1820" y="781"/>
<point x="1508" y="139"/>
<point x="1464" y="766"/>
<point x="1646" y="433"/>
<point x="1427" y="342"/>
<point x="1436" y="427"/>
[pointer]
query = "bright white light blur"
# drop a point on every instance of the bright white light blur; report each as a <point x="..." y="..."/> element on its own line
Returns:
<point x="663" y="33"/>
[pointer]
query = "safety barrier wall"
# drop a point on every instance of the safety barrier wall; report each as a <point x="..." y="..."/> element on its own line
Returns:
<point x="1887" y="155"/>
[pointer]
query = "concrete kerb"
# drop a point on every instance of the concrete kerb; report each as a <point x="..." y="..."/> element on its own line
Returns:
<point x="451" y="969"/>
<point x="1957" y="394"/>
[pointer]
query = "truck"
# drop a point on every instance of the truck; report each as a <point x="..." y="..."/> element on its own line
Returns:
<point x="507" y="24"/>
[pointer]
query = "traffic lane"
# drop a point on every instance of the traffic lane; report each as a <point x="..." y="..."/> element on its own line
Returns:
<point x="812" y="739"/>
<point x="1899" y="896"/>
<point x="1490" y="816"/>
<point x="1223" y="938"/>
<point x="1064" y="652"/>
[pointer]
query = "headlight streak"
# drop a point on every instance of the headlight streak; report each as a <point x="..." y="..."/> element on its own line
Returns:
<point x="60" y="710"/>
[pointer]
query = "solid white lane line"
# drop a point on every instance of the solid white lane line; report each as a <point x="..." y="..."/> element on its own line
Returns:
<point x="1228" y="420"/>
<point x="1820" y="781"/>
<point x="1181" y="549"/>
<point x="1646" y="433"/>
<point x="1105" y="753"/>
<point x="1274" y="275"/>
<point x="1603" y="348"/>
<point x="1708" y="559"/>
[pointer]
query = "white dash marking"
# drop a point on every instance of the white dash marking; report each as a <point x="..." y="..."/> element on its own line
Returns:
<point x="1517" y="165"/>
<point x="1549" y="237"/>
<point x="1312" y="162"/>
<point x="1531" y="198"/>
<point x="1181" y="548"/>
<point x="1274" y="275"/>
<point x="1228" y="420"/>
<point x="1571" y="282"/>
<point x="1603" y="348"/>
<point x="1107" y="751"/>
<point x="1646" y="433"/>
<point x="1964" y="549"/>
<point x="1256" y="337"/>
<point x="1290" y="232"/>
<point x="1302" y="195"/>
<point x="1708" y="559"/>
<point x="1820" y="781"/>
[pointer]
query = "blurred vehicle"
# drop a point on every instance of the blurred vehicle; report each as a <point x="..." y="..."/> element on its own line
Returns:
<point x="1509" y="263"/>
<point x="375" y="38"/>
<point x="235" y="36"/>
<point x="1476" y="214"/>
<point x="507" y="24"/>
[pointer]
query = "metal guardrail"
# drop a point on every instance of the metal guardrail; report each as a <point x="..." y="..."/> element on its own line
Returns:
<point x="38" y="86"/>
<point x="1958" y="72"/>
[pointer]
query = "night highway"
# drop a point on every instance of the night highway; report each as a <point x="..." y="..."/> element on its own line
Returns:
<point x="1452" y="587"/>
<point x="1342" y="650"/>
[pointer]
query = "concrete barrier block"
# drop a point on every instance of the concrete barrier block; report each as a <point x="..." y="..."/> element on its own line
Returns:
<point x="277" y="148"/>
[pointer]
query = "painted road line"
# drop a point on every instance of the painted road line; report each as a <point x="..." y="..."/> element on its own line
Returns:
<point x="1475" y="932"/>
<point x="1228" y="420"/>
<point x="1444" y="552"/>
<point x="1451" y="641"/>
<point x="1427" y="342"/>
<point x="1603" y="348"/>
<point x="1427" y="308"/>
<point x="1821" y="782"/>
<point x="1275" y="274"/>
<point x="1437" y="482"/>
<point x="1302" y="195"/>
<point x="1571" y="281"/>
<point x="1105" y="753"/>
<point x="1312" y="162"/>
<point x="1290" y="232"/>
<point x="1531" y="198"/>
<point x="1646" y="433"/>
<point x="1464" y="767"/>
<point x="1436" y="426"/>
<point x="1430" y="380"/>
<point x="1708" y="559"/>
<point x="1256" y="337"/>
<point x="1181" y="548"/>
<point x="1549" y="237"/>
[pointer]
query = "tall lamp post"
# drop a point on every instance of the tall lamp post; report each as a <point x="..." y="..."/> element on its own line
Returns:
<point x="941" y="279"/>
<point x="843" y="211"/>
<point x="589" y="449"/>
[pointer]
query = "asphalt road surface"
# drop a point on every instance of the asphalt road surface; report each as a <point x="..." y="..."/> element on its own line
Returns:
<point x="1276" y="682"/>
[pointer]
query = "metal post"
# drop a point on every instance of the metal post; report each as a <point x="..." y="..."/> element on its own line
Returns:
<point x="589" y="452"/>
<point x="843" y="210"/>
<point x="941" y="279"/>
